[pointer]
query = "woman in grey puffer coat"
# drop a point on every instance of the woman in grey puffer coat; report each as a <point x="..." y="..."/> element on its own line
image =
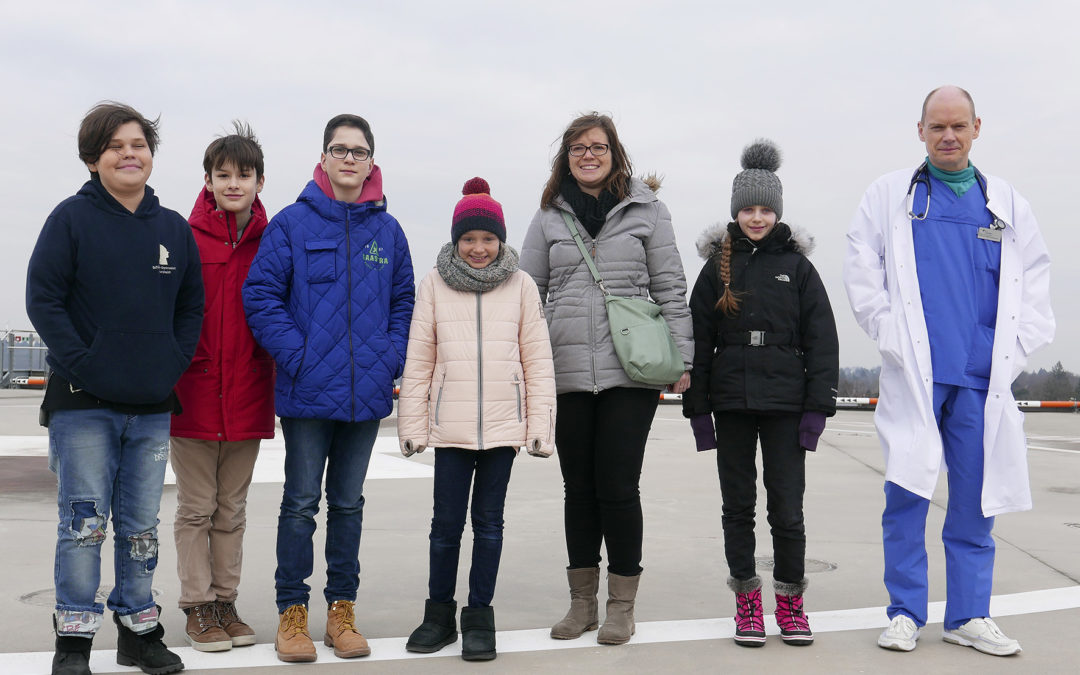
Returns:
<point x="603" y="417"/>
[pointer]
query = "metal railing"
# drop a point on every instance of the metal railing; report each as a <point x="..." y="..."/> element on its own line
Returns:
<point x="22" y="359"/>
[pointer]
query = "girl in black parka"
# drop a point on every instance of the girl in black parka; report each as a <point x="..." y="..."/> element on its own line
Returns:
<point x="765" y="367"/>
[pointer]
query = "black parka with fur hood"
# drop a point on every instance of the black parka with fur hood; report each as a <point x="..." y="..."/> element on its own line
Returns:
<point x="779" y="293"/>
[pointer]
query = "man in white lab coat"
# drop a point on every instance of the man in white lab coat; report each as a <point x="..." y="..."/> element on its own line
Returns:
<point x="947" y="271"/>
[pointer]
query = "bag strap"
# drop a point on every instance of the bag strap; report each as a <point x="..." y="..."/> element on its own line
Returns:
<point x="584" y="251"/>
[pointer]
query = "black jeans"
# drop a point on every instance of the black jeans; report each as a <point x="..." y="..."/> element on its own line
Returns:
<point x="601" y="442"/>
<point x="454" y="469"/>
<point x="784" y="469"/>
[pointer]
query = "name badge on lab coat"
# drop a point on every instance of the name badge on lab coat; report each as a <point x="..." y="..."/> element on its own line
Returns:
<point x="989" y="234"/>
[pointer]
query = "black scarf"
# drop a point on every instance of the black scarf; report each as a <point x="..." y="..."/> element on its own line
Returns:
<point x="590" y="211"/>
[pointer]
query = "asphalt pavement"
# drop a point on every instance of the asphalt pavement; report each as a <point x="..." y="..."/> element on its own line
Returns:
<point x="683" y="611"/>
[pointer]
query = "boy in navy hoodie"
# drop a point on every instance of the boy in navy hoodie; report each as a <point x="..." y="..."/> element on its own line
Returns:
<point x="114" y="290"/>
<point x="330" y="296"/>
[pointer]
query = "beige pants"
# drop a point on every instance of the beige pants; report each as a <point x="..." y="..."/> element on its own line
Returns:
<point x="212" y="480"/>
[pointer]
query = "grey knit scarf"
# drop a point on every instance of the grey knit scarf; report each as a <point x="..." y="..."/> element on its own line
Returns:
<point x="459" y="276"/>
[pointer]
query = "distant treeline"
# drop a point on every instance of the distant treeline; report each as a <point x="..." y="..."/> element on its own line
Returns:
<point x="1056" y="384"/>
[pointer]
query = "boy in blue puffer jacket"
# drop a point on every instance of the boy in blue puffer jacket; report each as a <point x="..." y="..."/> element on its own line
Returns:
<point x="330" y="297"/>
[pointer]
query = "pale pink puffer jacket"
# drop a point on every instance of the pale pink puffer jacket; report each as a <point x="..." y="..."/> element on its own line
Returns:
<point x="478" y="372"/>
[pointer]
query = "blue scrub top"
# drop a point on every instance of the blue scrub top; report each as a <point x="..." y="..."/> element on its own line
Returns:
<point x="958" y="281"/>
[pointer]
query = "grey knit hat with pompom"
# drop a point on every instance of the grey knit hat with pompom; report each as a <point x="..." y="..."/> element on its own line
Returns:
<point x="757" y="183"/>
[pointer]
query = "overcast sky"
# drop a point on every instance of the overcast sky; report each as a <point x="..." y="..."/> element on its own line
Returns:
<point x="455" y="90"/>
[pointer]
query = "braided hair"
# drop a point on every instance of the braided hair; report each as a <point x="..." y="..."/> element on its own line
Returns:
<point x="729" y="301"/>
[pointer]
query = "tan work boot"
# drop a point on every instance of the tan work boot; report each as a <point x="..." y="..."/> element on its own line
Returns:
<point x="619" y="623"/>
<point x="584" y="583"/>
<point x="241" y="634"/>
<point x="293" y="642"/>
<point x="341" y="634"/>
<point x="204" y="631"/>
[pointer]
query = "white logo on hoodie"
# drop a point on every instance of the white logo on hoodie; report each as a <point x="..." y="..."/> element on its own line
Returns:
<point x="163" y="265"/>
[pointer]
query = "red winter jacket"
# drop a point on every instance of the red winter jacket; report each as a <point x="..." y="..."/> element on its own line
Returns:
<point x="228" y="391"/>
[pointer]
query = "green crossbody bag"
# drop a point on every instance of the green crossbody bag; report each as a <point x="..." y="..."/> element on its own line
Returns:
<point x="642" y="339"/>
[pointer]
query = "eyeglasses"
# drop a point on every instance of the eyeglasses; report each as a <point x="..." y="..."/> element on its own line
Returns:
<point x="341" y="152"/>
<point x="597" y="149"/>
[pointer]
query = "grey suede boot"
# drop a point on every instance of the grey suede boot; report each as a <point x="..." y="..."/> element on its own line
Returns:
<point x="619" y="622"/>
<point x="583" y="616"/>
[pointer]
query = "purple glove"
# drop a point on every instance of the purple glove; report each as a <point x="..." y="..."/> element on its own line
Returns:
<point x="704" y="433"/>
<point x="810" y="427"/>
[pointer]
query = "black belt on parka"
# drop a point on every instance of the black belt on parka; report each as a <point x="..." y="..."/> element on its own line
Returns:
<point x="758" y="338"/>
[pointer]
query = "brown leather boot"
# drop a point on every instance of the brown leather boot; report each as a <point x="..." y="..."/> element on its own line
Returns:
<point x="204" y="631"/>
<point x="341" y="633"/>
<point x="241" y="634"/>
<point x="584" y="584"/>
<point x="293" y="642"/>
<point x="619" y="623"/>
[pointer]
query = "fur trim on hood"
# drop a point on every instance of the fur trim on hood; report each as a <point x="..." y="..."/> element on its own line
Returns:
<point x="712" y="238"/>
<point x="652" y="181"/>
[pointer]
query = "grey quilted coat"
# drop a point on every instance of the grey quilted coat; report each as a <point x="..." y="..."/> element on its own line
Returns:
<point x="636" y="254"/>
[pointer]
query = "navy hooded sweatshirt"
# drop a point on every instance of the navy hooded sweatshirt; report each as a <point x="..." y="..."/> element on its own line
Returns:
<point x="116" y="296"/>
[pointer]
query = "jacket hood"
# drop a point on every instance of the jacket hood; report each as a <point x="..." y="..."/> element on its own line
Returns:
<point x="798" y="239"/>
<point x="371" y="192"/>
<point x="99" y="197"/>
<point x="335" y="210"/>
<point x="206" y="217"/>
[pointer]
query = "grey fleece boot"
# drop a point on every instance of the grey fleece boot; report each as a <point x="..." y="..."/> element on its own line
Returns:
<point x="619" y="623"/>
<point x="583" y="616"/>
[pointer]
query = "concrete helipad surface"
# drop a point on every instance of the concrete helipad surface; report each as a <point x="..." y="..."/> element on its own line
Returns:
<point x="684" y="609"/>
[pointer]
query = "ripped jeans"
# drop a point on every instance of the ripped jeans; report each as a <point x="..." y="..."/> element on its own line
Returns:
<point x="107" y="462"/>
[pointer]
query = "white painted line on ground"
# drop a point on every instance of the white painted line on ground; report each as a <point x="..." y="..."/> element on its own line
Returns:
<point x="538" y="639"/>
<point x="1070" y="451"/>
<point x="387" y="461"/>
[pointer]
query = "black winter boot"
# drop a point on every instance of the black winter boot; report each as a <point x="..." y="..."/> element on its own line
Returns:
<point x="146" y="651"/>
<point x="72" y="655"/>
<point x="438" y="629"/>
<point x="477" y="633"/>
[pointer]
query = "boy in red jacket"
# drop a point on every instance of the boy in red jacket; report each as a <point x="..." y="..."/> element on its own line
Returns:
<point x="227" y="397"/>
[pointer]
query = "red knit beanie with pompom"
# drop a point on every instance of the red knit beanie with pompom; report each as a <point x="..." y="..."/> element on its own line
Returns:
<point x="477" y="211"/>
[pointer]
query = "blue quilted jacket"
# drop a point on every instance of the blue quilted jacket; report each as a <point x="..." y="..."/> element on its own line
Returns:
<point x="330" y="296"/>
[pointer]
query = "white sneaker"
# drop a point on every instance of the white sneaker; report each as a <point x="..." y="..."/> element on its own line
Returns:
<point x="900" y="635"/>
<point x="984" y="635"/>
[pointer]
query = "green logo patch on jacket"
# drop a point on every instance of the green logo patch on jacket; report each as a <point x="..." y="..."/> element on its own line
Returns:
<point x="373" y="256"/>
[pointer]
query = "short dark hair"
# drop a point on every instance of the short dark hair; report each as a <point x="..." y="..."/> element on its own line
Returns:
<point x="926" y="101"/>
<point x="347" y="120"/>
<point x="102" y="121"/>
<point x="240" y="149"/>
<point x="618" y="180"/>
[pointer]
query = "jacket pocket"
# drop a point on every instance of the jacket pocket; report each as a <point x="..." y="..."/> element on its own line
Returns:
<point x="440" y="385"/>
<point x="518" y="384"/>
<point x="132" y="366"/>
<point x="888" y="342"/>
<point x="321" y="260"/>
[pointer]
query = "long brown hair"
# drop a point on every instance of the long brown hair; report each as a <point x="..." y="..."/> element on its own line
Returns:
<point x="729" y="301"/>
<point x="617" y="182"/>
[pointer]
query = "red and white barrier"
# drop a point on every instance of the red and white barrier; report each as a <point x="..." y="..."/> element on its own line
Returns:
<point x="863" y="402"/>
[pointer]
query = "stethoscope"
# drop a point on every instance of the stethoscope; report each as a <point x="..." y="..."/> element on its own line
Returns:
<point x="922" y="176"/>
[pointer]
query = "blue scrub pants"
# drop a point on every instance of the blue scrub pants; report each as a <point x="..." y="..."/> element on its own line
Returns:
<point x="969" y="547"/>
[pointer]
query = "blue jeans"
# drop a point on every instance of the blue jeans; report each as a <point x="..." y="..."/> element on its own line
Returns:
<point x="106" y="462"/>
<point x="454" y="470"/>
<point x="343" y="451"/>
<point x="969" y="546"/>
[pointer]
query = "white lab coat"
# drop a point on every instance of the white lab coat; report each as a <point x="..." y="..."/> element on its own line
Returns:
<point x="883" y="289"/>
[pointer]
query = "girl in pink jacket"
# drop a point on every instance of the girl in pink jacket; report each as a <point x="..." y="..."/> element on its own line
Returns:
<point x="479" y="383"/>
